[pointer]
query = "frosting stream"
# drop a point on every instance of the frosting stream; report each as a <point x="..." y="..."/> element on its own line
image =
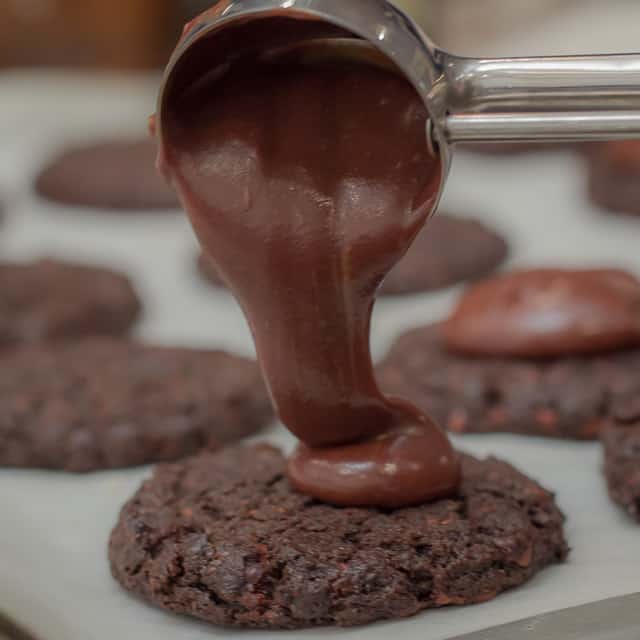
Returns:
<point x="306" y="184"/>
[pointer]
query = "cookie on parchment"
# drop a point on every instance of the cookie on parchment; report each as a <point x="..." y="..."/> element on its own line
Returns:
<point x="119" y="175"/>
<point x="551" y="352"/>
<point x="223" y="537"/>
<point x="104" y="403"/>
<point x="568" y="397"/>
<point x="51" y="300"/>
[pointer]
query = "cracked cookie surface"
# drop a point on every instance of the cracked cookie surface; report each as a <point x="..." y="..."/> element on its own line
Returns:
<point x="223" y="537"/>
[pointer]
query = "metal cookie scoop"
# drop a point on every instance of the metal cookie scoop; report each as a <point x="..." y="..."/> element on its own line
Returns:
<point x="468" y="100"/>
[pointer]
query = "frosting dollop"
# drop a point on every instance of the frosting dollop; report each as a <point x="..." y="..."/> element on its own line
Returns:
<point x="545" y="313"/>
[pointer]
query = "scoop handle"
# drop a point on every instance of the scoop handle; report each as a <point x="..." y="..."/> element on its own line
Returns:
<point x="570" y="98"/>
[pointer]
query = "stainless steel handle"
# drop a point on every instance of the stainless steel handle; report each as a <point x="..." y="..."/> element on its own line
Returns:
<point x="539" y="99"/>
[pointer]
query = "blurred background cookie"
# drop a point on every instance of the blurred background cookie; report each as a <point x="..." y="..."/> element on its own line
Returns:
<point x="119" y="175"/>
<point x="104" y="403"/>
<point x="552" y="353"/>
<point x="51" y="300"/>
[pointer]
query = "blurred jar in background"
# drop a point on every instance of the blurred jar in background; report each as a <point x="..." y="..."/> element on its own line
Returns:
<point x="88" y="33"/>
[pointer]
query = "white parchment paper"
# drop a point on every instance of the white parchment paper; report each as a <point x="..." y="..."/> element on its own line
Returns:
<point x="54" y="575"/>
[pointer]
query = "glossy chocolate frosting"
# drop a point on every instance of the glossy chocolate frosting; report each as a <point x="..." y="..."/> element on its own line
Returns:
<point x="546" y="313"/>
<point x="306" y="183"/>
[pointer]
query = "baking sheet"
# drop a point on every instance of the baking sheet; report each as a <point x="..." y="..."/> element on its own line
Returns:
<point x="54" y="575"/>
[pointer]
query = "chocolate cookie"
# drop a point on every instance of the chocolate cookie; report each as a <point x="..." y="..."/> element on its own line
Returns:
<point x="49" y="300"/>
<point x="448" y="251"/>
<point x="621" y="441"/>
<point x="614" y="176"/>
<point x="224" y="538"/>
<point x="567" y="397"/>
<point x="118" y="175"/>
<point x="103" y="403"/>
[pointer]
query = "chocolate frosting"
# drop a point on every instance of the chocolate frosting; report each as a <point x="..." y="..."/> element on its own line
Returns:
<point x="408" y="464"/>
<point x="547" y="313"/>
<point x="305" y="185"/>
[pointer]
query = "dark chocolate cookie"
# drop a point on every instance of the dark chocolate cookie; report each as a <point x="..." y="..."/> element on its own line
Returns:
<point x="223" y="537"/>
<point x="103" y="403"/>
<point x="570" y="397"/>
<point x="50" y="300"/>
<point x="621" y="441"/>
<point x="614" y="176"/>
<point x="118" y="175"/>
<point x="450" y="250"/>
